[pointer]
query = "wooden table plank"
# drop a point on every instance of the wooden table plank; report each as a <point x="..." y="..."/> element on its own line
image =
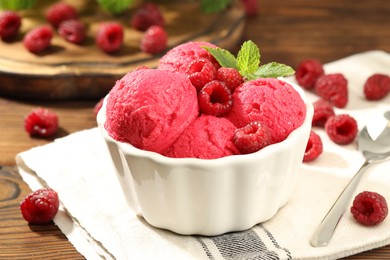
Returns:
<point x="286" y="31"/>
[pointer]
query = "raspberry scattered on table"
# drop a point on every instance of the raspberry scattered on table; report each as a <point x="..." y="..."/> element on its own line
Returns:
<point x="200" y="72"/>
<point x="252" y="137"/>
<point x="109" y="37"/>
<point x="38" y="39"/>
<point x="377" y="87"/>
<point x="154" y="40"/>
<point x="307" y="73"/>
<point x="215" y="99"/>
<point x="369" y="208"/>
<point x="72" y="30"/>
<point x="334" y="88"/>
<point x="341" y="129"/>
<point x="251" y="7"/>
<point x="60" y="12"/>
<point x="40" y="206"/>
<point x="322" y="111"/>
<point x="147" y="15"/>
<point x="10" y="23"/>
<point x="41" y="122"/>
<point x="314" y="147"/>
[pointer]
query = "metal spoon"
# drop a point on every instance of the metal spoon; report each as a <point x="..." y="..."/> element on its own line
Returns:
<point x="374" y="151"/>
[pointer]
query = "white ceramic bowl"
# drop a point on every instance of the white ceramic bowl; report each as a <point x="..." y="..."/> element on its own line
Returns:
<point x="209" y="197"/>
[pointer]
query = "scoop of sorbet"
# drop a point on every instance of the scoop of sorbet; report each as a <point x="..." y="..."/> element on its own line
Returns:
<point x="270" y="101"/>
<point x="180" y="57"/>
<point x="150" y="108"/>
<point x="208" y="137"/>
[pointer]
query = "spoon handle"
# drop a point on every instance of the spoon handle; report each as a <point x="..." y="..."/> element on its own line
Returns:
<point x="326" y="228"/>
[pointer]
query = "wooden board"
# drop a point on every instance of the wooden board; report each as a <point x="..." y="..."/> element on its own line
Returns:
<point x="69" y="71"/>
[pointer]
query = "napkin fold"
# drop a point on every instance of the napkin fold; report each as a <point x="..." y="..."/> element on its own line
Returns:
<point x="97" y="221"/>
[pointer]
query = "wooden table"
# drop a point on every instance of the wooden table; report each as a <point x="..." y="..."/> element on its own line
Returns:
<point x="286" y="31"/>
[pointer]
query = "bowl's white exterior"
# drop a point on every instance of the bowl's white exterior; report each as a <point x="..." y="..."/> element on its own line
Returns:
<point x="209" y="197"/>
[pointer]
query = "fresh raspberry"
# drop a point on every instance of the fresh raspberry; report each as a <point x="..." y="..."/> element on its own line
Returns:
<point x="200" y="72"/>
<point x="377" y="87"/>
<point x="251" y="7"/>
<point x="40" y="206"/>
<point x="148" y="14"/>
<point x="38" y="39"/>
<point x="322" y="111"/>
<point x="215" y="99"/>
<point x="10" y="23"/>
<point x="252" y="137"/>
<point x="60" y="12"/>
<point x="307" y="73"/>
<point x="313" y="147"/>
<point x="72" y="30"/>
<point x="369" y="208"/>
<point x="154" y="40"/>
<point x="109" y="37"/>
<point x="341" y="129"/>
<point x="334" y="88"/>
<point x="41" y="122"/>
<point x="230" y="76"/>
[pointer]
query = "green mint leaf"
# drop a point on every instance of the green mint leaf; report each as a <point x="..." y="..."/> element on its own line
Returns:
<point x="273" y="70"/>
<point x="224" y="57"/>
<point x="116" y="6"/>
<point x="16" y="4"/>
<point x="248" y="59"/>
<point x="212" y="6"/>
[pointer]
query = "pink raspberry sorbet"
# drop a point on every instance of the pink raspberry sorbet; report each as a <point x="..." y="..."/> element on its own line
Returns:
<point x="150" y="108"/>
<point x="179" y="58"/>
<point x="208" y="137"/>
<point x="271" y="101"/>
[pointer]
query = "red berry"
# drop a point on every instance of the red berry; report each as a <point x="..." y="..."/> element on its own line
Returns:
<point x="148" y="14"/>
<point x="154" y="40"/>
<point x="40" y="206"/>
<point x="252" y="137"/>
<point x="215" y="99"/>
<point x="109" y="37"/>
<point x="377" y="87"/>
<point x="341" y="129"/>
<point x="41" y="122"/>
<point x="60" y="12"/>
<point x="369" y="208"/>
<point x="10" y="23"/>
<point x="313" y="147"/>
<point x="38" y="39"/>
<point x="230" y="76"/>
<point x="322" y="111"/>
<point x="200" y="72"/>
<point x="334" y="88"/>
<point x="251" y="7"/>
<point x="72" y="30"/>
<point x="307" y="73"/>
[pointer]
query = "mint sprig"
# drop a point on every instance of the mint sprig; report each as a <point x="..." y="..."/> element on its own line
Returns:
<point x="116" y="6"/>
<point x="212" y="6"/>
<point x="224" y="57"/>
<point x="16" y="4"/>
<point x="248" y="62"/>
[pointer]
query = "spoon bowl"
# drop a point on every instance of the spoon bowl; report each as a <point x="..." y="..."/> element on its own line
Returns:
<point x="374" y="150"/>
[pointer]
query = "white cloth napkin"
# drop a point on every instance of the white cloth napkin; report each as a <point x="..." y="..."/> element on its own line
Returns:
<point x="97" y="221"/>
